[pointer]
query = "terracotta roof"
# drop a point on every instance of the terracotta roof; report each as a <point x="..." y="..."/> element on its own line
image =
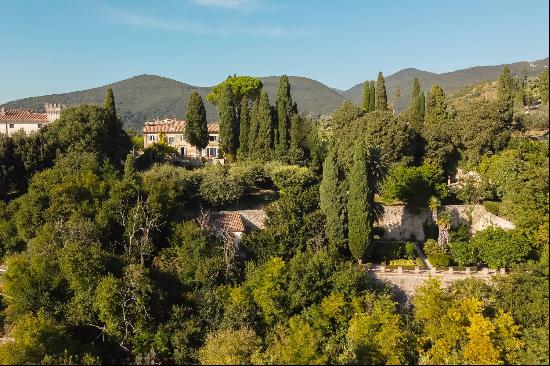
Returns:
<point x="172" y="126"/>
<point x="227" y="220"/>
<point x="22" y="115"/>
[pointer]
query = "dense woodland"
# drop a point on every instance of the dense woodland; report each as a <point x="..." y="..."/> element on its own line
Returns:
<point x="109" y="259"/>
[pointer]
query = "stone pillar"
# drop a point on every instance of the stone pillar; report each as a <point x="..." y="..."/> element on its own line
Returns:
<point x="503" y="271"/>
<point x="433" y="270"/>
<point x="399" y="269"/>
<point x="467" y="270"/>
<point x="382" y="269"/>
<point x="485" y="271"/>
<point x="451" y="270"/>
<point x="416" y="269"/>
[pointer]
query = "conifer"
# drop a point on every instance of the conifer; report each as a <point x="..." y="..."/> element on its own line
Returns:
<point x="381" y="96"/>
<point x="196" y="128"/>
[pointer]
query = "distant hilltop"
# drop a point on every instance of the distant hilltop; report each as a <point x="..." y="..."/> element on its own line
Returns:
<point x="147" y="97"/>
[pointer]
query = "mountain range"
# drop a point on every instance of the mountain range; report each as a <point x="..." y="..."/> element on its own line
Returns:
<point x="146" y="97"/>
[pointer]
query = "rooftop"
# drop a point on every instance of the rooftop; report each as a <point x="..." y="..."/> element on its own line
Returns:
<point x="21" y="115"/>
<point x="227" y="221"/>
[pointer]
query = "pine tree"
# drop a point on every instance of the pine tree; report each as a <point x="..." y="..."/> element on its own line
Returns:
<point x="332" y="200"/>
<point x="284" y="112"/>
<point x="244" y="130"/>
<point x="196" y="129"/>
<point x="372" y="96"/>
<point x="264" y="137"/>
<point x="229" y="134"/>
<point x="381" y="96"/>
<point x="366" y="97"/>
<point x="416" y="107"/>
<point x="436" y="106"/>
<point x="109" y="104"/>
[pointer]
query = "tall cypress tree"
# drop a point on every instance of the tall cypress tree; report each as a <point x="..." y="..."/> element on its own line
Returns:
<point x="229" y="135"/>
<point x="505" y="87"/>
<point x="332" y="200"/>
<point x="381" y="96"/>
<point x="543" y="86"/>
<point x="416" y="107"/>
<point x="253" y="127"/>
<point x="372" y="96"/>
<point x="264" y="136"/>
<point x="245" y="128"/>
<point x="436" y="106"/>
<point x="196" y="129"/>
<point x="505" y="93"/>
<point x="359" y="209"/>
<point x="366" y="97"/>
<point x="109" y="104"/>
<point x="284" y="112"/>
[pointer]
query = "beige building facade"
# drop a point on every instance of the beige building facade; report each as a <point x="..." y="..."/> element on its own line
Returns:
<point x="174" y="132"/>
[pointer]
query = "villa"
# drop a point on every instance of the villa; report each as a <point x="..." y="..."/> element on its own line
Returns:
<point x="174" y="132"/>
<point x="13" y="120"/>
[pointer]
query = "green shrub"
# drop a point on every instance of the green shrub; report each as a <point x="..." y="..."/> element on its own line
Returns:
<point x="432" y="247"/>
<point x="500" y="248"/>
<point x="246" y="173"/>
<point x="410" y="250"/>
<point x="419" y="262"/>
<point x="461" y="233"/>
<point x="218" y="188"/>
<point x="288" y="177"/>
<point x="463" y="253"/>
<point x="439" y="259"/>
<point x="492" y="207"/>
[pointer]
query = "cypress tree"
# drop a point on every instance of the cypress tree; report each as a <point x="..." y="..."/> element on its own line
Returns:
<point x="196" y="129"/>
<point x="366" y="97"/>
<point x="228" y="122"/>
<point x="505" y="87"/>
<point x="264" y="137"/>
<point x="381" y="97"/>
<point x="253" y="127"/>
<point x="416" y="107"/>
<point x="436" y="106"/>
<point x="284" y="112"/>
<point x="109" y="104"/>
<point x="360" y="215"/>
<point x="505" y="93"/>
<point x="244" y="131"/>
<point x="332" y="200"/>
<point x="543" y="86"/>
<point x="372" y="97"/>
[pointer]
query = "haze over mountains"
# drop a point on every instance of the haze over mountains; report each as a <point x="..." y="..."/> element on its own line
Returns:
<point x="146" y="97"/>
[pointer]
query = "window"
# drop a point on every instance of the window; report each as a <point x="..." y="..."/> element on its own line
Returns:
<point x="12" y="125"/>
<point x="181" y="137"/>
<point x="212" y="152"/>
<point x="152" y="137"/>
<point x="39" y="125"/>
<point x="171" y="140"/>
<point x="212" y="138"/>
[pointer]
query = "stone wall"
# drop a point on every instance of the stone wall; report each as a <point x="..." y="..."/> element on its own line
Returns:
<point x="401" y="224"/>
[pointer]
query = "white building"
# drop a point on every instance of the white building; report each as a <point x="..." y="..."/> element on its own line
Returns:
<point x="13" y="120"/>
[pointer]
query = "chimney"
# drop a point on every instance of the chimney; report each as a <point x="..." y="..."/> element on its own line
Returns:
<point x="2" y="112"/>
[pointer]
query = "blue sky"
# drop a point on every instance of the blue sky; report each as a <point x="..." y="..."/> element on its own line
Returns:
<point x="65" y="45"/>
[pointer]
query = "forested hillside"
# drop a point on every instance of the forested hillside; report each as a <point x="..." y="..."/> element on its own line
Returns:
<point x="147" y="97"/>
<point x="450" y="81"/>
